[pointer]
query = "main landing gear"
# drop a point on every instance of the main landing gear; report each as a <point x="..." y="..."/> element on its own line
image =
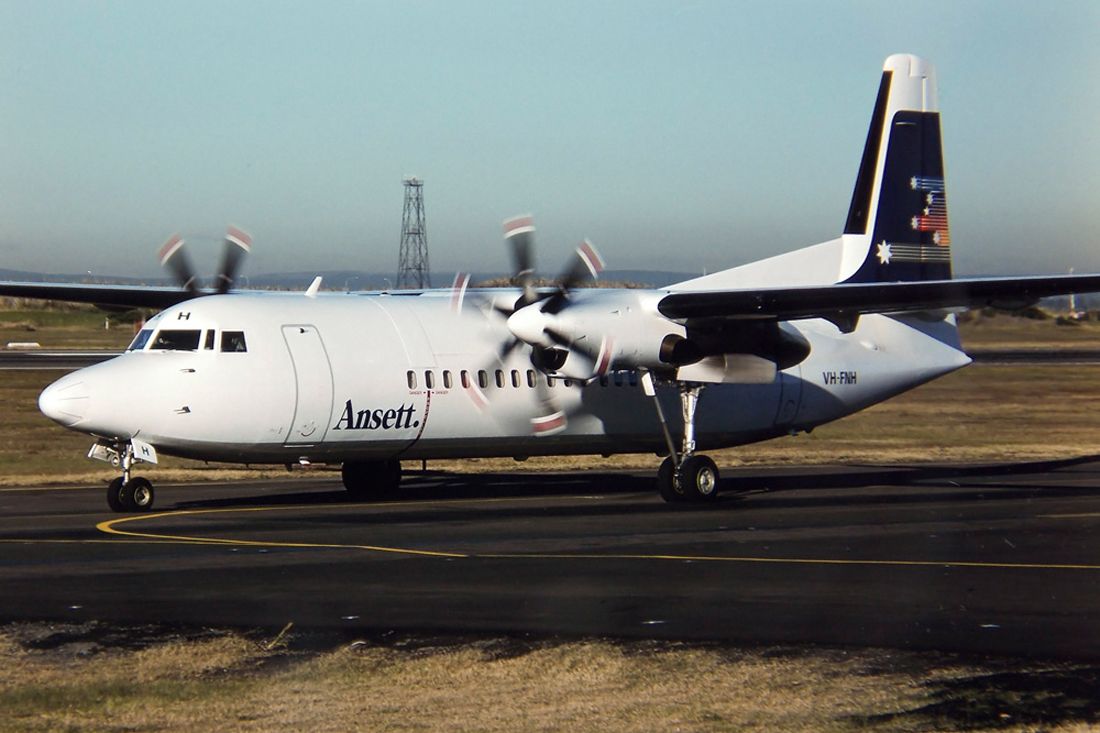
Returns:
<point x="366" y="480"/>
<point x="127" y="493"/>
<point x="683" y="476"/>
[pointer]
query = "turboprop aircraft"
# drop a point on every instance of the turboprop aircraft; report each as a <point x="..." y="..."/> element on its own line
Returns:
<point x="369" y="379"/>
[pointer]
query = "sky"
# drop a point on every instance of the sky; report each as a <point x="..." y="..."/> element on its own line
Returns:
<point x="687" y="136"/>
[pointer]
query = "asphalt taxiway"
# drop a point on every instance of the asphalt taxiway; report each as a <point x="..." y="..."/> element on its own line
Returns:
<point x="993" y="559"/>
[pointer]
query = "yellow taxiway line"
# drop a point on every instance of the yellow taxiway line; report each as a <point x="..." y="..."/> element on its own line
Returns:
<point x="111" y="527"/>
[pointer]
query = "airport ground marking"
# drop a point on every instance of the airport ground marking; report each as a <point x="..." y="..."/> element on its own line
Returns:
<point x="109" y="527"/>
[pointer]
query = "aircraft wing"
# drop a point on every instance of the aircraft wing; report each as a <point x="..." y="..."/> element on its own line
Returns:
<point x="109" y="296"/>
<point x="845" y="301"/>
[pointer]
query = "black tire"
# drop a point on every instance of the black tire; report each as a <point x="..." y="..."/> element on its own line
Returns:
<point x="666" y="486"/>
<point x="114" y="498"/>
<point x="137" y="495"/>
<point x="699" y="479"/>
<point x="371" y="479"/>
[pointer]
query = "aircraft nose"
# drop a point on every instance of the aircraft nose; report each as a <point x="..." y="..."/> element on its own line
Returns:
<point x="65" y="401"/>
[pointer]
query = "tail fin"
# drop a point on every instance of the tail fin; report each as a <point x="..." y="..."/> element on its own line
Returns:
<point x="897" y="223"/>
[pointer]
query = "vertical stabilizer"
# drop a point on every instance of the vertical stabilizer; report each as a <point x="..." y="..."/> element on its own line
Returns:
<point x="897" y="223"/>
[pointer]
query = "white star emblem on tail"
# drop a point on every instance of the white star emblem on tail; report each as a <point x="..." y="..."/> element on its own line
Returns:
<point x="883" y="253"/>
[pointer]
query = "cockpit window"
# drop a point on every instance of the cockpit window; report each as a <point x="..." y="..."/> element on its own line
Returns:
<point x="233" y="341"/>
<point x="140" y="340"/>
<point x="182" y="340"/>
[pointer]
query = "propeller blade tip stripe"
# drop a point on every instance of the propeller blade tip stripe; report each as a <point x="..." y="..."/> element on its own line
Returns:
<point x="590" y="257"/>
<point x="458" y="290"/>
<point x="548" y="424"/>
<point x="477" y="396"/>
<point x="240" y="238"/>
<point x="519" y="225"/>
<point x="170" y="248"/>
<point x="603" y="358"/>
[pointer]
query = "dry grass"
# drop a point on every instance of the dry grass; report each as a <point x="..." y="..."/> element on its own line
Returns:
<point x="987" y="329"/>
<point x="229" y="682"/>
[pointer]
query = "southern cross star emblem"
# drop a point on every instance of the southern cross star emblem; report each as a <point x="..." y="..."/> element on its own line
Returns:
<point x="883" y="253"/>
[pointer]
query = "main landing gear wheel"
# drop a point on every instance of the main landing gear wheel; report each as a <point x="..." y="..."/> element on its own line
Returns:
<point x="666" y="481"/>
<point x="371" y="479"/>
<point x="698" y="478"/>
<point x="135" y="495"/>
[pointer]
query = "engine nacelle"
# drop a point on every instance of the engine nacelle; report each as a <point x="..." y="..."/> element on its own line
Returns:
<point x="625" y="331"/>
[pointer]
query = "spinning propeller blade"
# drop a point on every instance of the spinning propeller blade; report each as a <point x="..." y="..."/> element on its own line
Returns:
<point x="174" y="257"/>
<point x="237" y="244"/>
<point x="519" y="233"/>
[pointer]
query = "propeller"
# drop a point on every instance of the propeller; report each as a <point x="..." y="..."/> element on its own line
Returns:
<point x="547" y="352"/>
<point x="173" y="256"/>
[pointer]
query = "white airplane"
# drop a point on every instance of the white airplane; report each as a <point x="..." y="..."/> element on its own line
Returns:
<point x="367" y="380"/>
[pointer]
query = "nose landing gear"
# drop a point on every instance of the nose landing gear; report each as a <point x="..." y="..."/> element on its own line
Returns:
<point x="127" y="493"/>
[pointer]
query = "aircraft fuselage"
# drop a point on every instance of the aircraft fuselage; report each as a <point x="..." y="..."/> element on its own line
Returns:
<point x="278" y="378"/>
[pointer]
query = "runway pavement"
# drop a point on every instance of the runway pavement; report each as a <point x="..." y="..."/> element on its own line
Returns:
<point x="999" y="559"/>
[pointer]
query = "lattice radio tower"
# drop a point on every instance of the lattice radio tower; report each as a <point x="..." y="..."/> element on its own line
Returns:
<point x="412" y="266"/>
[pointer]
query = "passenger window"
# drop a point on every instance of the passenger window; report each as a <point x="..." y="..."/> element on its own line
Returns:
<point x="515" y="377"/>
<point x="209" y="344"/>
<point x="140" y="340"/>
<point x="482" y="379"/>
<point x="464" y="376"/>
<point x="550" y="381"/>
<point x="531" y="378"/>
<point x="411" y="377"/>
<point x="177" y="340"/>
<point x="233" y="341"/>
<point x="429" y="380"/>
<point x="603" y="381"/>
<point x="569" y="383"/>
<point x="500" y="378"/>
<point x="446" y="379"/>
<point x="618" y="379"/>
<point x="634" y="379"/>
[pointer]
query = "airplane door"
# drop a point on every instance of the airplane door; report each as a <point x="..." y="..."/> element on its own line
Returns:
<point x="313" y="377"/>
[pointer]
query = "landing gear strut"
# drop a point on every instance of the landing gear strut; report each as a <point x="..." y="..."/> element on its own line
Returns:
<point x="683" y="476"/>
<point x="371" y="479"/>
<point x="126" y="493"/>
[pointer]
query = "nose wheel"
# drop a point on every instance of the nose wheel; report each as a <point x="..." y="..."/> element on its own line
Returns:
<point x="135" y="495"/>
<point x="128" y="493"/>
